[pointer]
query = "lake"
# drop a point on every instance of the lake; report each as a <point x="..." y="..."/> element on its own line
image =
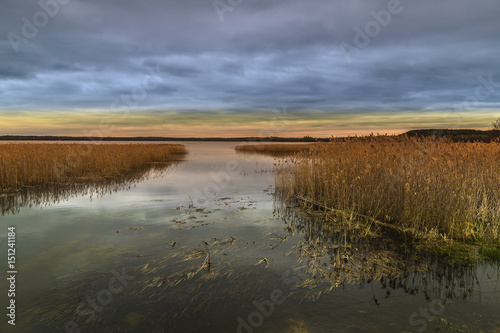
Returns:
<point x="205" y="246"/>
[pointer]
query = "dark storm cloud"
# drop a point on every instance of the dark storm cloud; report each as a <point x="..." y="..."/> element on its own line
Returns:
<point x="263" y="54"/>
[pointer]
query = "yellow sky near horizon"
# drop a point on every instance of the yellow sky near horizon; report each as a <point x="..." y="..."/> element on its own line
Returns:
<point x="234" y="124"/>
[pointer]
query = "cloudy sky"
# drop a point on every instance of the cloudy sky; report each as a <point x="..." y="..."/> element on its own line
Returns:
<point x="247" y="67"/>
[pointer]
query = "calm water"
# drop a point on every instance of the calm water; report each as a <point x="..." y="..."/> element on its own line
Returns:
<point x="202" y="247"/>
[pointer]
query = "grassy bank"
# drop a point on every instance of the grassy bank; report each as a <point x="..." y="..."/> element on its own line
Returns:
<point x="441" y="188"/>
<point x="274" y="148"/>
<point x="25" y="165"/>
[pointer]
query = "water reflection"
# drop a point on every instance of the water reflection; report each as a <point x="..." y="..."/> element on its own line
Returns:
<point x="180" y="275"/>
<point x="340" y="253"/>
<point x="11" y="203"/>
<point x="205" y="277"/>
<point x="197" y="269"/>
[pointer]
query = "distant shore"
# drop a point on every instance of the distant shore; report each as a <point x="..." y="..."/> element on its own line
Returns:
<point x="454" y="134"/>
<point x="93" y="139"/>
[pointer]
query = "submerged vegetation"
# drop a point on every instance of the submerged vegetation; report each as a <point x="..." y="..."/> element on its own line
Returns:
<point x="201" y="268"/>
<point x="440" y="188"/>
<point x="346" y="252"/>
<point x="37" y="173"/>
<point x="207" y="275"/>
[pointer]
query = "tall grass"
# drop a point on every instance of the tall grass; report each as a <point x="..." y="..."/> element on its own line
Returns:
<point x="25" y="165"/>
<point x="428" y="185"/>
<point x="274" y="148"/>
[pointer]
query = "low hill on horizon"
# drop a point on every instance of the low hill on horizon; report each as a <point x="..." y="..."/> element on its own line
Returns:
<point x="455" y="134"/>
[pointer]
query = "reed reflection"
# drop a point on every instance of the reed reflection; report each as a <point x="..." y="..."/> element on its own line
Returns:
<point x="340" y="251"/>
<point x="51" y="193"/>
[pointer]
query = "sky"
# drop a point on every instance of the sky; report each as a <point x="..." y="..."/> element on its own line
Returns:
<point x="206" y="68"/>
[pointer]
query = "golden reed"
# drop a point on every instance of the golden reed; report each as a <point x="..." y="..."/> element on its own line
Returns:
<point x="35" y="164"/>
<point x="274" y="148"/>
<point x="425" y="184"/>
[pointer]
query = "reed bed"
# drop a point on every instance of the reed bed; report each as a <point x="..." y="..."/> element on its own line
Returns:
<point x="275" y="148"/>
<point x="24" y="165"/>
<point x="449" y="189"/>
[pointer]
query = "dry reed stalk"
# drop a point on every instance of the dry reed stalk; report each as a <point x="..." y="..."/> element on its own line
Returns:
<point x="24" y="165"/>
<point x="428" y="185"/>
<point x="275" y="148"/>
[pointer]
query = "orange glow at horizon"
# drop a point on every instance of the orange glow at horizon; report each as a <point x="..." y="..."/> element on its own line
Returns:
<point x="229" y="125"/>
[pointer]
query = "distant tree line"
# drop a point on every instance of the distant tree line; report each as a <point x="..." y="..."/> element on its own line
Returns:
<point x="85" y="138"/>
<point x="466" y="135"/>
<point x="457" y="135"/>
